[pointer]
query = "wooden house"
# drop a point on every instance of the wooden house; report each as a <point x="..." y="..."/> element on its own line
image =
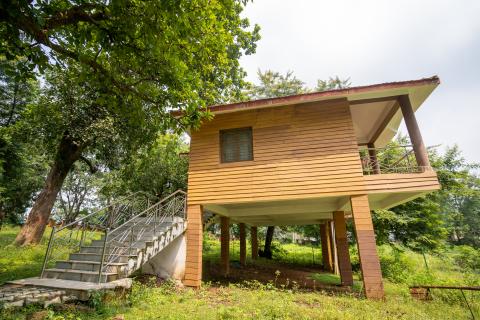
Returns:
<point x="308" y="159"/>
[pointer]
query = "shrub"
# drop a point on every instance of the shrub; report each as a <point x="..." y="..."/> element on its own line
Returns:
<point x="467" y="257"/>
<point x="396" y="265"/>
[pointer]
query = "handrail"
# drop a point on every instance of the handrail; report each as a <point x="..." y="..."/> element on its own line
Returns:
<point x="154" y="205"/>
<point x="169" y="203"/>
<point x="403" y="161"/>
<point x="103" y="208"/>
<point x="107" y="222"/>
<point x="390" y="147"/>
<point x="74" y="235"/>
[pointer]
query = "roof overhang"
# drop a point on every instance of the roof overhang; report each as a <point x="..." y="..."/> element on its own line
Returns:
<point x="375" y="112"/>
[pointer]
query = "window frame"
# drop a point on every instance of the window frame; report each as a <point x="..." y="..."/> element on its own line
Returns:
<point x="221" y="142"/>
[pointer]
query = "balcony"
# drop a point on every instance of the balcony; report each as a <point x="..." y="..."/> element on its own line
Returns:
<point x="391" y="159"/>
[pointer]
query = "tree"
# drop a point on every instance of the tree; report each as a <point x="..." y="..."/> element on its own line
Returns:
<point x="159" y="169"/>
<point x="184" y="53"/>
<point x="77" y="193"/>
<point x="129" y="63"/>
<point x="273" y="84"/>
<point x="22" y="164"/>
<point x="332" y="84"/>
<point x="425" y="223"/>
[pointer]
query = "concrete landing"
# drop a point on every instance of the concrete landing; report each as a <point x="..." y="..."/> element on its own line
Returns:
<point x="45" y="291"/>
<point x="73" y="285"/>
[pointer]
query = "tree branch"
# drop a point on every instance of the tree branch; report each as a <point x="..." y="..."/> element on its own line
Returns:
<point x="74" y="15"/>
<point x="90" y="165"/>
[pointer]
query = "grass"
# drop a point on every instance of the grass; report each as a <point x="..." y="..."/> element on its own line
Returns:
<point x="18" y="263"/>
<point x="252" y="300"/>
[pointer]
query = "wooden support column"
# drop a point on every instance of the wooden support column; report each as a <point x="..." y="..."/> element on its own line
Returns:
<point x="367" y="250"/>
<point x="225" y="245"/>
<point x="414" y="132"/>
<point x="373" y="158"/>
<point x="193" y="263"/>
<point x="254" y="239"/>
<point x="325" y="240"/>
<point x="344" y="265"/>
<point x="243" y="245"/>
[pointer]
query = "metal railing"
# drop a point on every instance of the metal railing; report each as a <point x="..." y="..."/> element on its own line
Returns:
<point x="391" y="159"/>
<point x="96" y="226"/>
<point x="121" y="240"/>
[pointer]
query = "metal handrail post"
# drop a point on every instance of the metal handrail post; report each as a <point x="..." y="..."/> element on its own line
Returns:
<point x="185" y="207"/>
<point x="102" y="258"/>
<point x="82" y="237"/>
<point x="155" y="221"/>
<point x="48" y="251"/>
<point x="131" y="242"/>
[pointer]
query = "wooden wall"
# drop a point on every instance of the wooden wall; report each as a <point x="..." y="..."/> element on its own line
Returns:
<point x="300" y="151"/>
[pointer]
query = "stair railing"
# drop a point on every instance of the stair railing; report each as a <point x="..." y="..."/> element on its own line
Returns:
<point x="121" y="240"/>
<point x="71" y="237"/>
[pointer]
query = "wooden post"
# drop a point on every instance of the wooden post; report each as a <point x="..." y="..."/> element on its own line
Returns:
<point x="333" y="250"/>
<point x="373" y="158"/>
<point x="193" y="263"/>
<point x="243" y="245"/>
<point x="225" y="245"/>
<point x="367" y="251"/>
<point x="254" y="239"/>
<point x="414" y="132"/>
<point x="344" y="265"/>
<point x="326" y="247"/>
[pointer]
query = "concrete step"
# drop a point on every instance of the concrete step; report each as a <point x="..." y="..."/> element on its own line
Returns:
<point x="79" y="275"/>
<point x="165" y="220"/>
<point x="81" y="256"/>
<point x="136" y="230"/>
<point x="144" y="238"/>
<point x="98" y="249"/>
<point x="93" y="266"/>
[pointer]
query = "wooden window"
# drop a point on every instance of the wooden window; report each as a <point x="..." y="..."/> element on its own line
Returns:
<point x="236" y="145"/>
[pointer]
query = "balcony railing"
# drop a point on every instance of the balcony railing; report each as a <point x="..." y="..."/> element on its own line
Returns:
<point x="391" y="159"/>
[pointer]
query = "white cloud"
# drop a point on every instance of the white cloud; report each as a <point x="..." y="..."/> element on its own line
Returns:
<point x="379" y="41"/>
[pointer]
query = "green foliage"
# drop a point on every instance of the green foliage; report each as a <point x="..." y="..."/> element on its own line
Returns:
<point x="159" y="169"/>
<point x="22" y="163"/>
<point x="273" y="84"/>
<point x="265" y="301"/>
<point x="332" y="84"/>
<point x="452" y="213"/>
<point x="19" y="264"/>
<point x="78" y="194"/>
<point x="467" y="257"/>
<point x="158" y="54"/>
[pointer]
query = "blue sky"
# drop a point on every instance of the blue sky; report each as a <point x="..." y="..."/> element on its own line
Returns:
<point x="380" y="41"/>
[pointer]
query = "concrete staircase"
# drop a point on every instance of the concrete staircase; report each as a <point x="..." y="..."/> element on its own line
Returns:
<point x="128" y="248"/>
<point x="99" y="251"/>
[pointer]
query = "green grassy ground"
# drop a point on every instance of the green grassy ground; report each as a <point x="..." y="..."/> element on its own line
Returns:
<point x="16" y="263"/>
<point x="250" y="300"/>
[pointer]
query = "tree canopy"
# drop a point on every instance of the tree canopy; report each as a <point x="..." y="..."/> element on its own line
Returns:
<point x="112" y="73"/>
<point x="164" y="54"/>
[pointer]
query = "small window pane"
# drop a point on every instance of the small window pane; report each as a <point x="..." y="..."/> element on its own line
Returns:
<point x="236" y="145"/>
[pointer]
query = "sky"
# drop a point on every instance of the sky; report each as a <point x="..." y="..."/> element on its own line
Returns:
<point x="381" y="41"/>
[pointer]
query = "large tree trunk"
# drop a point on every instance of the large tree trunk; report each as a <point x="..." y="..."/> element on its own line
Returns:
<point x="267" y="249"/>
<point x="32" y="231"/>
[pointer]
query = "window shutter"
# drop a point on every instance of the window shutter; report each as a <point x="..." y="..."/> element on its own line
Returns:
<point x="236" y="145"/>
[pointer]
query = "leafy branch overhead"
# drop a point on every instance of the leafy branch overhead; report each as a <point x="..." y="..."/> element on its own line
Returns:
<point x="164" y="54"/>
